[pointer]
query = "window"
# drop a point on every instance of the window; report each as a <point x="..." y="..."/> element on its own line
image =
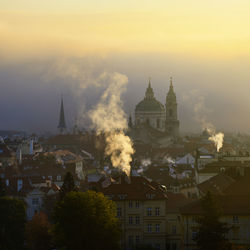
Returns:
<point x="157" y="228"/>
<point x="137" y="220"/>
<point x="122" y="196"/>
<point x="174" y="229"/>
<point x="150" y="196"/>
<point x="149" y="228"/>
<point x="235" y="219"/>
<point x="119" y="212"/>
<point x="194" y="219"/>
<point x="35" y="201"/>
<point x="194" y="234"/>
<point x="137" y="239"/>
<point x="130" y="204"/>
<point x="137" y="204"/>
<point x="59" y="177"/>
<point x="170" y="112"/>
<point x="157" y="211"/>
<point x="158" y="123"/>
<point x="174" y="246"/>
<point x="130" y="220"/>
<point x="149" y="211"/>
<point x="168" y="246"/>
<point x="50" y="177"/>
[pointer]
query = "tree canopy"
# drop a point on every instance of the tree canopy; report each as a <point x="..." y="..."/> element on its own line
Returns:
<point x="2" y="188"/>
<point x="212" y="232"/>
<point x="68" y="185"/>
<point x="37" y="232"/>
<point x="86" y="221"/>
<point x="12" y="223"/>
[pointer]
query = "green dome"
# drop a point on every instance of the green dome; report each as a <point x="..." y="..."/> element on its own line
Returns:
<point x="149" y="105"/>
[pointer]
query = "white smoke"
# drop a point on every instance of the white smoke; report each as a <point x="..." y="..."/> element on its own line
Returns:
<point x="168" y="159"/>
<point x="109" y="118"/>
<point x="201" y="114"/>
<point x="145" y="162"/>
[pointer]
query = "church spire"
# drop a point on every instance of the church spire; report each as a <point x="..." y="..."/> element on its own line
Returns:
<point x="62" y="125"/>
<point x="149" y="92"/>
<point x="171" y="82"/>
<point x="172" y="122"/>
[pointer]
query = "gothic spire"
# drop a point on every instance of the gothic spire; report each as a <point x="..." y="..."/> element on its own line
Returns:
<point x="62" y="125"/>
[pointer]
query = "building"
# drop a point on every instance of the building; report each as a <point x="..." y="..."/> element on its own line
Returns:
<point x="141" y="208"/>
<point x="236" y="213"/>
<point x="152" y="113"/>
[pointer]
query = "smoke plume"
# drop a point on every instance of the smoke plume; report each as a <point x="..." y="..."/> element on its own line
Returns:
<point x="201" y="114"/>
<point x="146" y="162"/>
<point x="168" y="159"/>
<point x="109" y="118"/>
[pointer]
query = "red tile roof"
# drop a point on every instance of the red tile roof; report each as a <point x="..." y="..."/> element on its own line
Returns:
<point x="138" y="188"/>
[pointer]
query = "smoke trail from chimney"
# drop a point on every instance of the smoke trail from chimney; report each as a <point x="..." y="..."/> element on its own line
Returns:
<point x="216" y="138"/>
<point x="109" y="118"/>
<point x="201" y="112"/>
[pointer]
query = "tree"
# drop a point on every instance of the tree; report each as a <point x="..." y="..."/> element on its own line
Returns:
<point x="12" y="223"/>
<point x="2" y="188"/>
<point x="37" y="232"/>
<point x="86" y="221"/>
<point x="68" y="185"/>
<point x="212" y="232"/>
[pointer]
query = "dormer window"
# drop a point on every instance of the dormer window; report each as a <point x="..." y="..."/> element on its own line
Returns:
<point x="122" y="196"/>
<point x="150" y="196"/>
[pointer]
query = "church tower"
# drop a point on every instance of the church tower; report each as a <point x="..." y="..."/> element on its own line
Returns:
<point x="62" y="125"/>
<point x="172" y="122"/>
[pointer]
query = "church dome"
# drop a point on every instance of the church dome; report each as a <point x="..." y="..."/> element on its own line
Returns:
<point x="149" y="103"/>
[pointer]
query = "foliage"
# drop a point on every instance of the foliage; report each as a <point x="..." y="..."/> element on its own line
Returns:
<point x="12" y="223"/>
<point x="48" y="205"/>
<point x="212" y="232"/>
<point x="2" y="188"/>
<point x="68" y="185"/>
<point x="37" y="232"/>
<point x="86" y="221"/>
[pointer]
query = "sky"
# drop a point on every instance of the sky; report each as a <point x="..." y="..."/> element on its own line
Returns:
<point x="51" y="47"/>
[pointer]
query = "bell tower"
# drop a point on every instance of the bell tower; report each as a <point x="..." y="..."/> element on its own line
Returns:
<point x="172" y="122"/>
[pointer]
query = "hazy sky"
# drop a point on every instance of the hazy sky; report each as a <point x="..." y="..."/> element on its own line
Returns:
<point x="49" y="47"/>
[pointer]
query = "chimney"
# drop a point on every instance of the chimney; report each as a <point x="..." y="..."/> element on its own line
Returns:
<point x="19" y="184"/>
<point x="31" y="147"/>
<point x="197" y="156"/>
<point x="19" y="156"/>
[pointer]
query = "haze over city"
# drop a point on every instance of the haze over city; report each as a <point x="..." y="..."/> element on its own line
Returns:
<point x="51" y="48"/>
